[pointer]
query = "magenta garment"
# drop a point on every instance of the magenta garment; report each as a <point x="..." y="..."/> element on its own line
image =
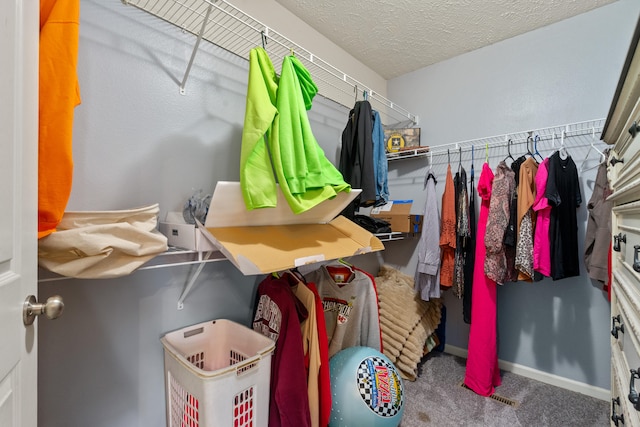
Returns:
<point x="482" y="374"/>
<point x="541" y="242"/>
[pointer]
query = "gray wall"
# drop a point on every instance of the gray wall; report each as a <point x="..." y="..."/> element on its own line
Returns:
<point x="560" y="74"/>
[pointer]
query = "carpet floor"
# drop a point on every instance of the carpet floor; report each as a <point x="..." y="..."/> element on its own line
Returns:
<point x="437" y="398"/>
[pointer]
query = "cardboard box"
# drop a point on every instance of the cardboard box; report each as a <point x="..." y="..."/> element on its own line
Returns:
<point x="397" y="213"/>
<point x="183" y="235"/>
<point x="401" y="139"/>
<point x="262" y="241"/>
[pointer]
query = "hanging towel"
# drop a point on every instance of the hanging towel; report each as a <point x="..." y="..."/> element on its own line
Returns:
<point x="59" y="94"/>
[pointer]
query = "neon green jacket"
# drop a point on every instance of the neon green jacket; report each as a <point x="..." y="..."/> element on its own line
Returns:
<point x="278" y="108"/>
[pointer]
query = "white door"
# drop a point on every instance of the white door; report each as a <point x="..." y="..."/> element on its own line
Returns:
<point x="19" y="28"/>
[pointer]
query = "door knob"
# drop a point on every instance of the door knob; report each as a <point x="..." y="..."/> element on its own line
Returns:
<point x="52" y="308"/>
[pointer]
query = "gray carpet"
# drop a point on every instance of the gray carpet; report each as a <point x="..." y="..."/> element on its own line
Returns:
<point x="436" y="398"/>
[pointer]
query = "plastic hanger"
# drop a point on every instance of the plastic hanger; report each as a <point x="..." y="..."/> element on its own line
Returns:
<point x="486" y="152"/>
<point x="472" y="161"/>
<point x="535" y="147"/>
<point x="529" y="145"/>
<point x="509" y="156"/>
<point x="430" y="174"/>
<point x="340" y="271"/>
<point x="562" y="151"/>
<point x="592" y="146"/>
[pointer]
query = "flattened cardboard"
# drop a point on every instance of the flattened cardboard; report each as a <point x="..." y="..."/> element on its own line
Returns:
<point x="262" y="241"/>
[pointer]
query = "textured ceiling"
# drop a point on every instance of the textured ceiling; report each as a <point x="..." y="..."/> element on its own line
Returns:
<point x="394" y="37"/>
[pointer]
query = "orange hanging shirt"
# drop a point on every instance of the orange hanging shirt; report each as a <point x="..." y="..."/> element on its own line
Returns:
<point x="59" y="94"/>
<point x="448" y="232"/>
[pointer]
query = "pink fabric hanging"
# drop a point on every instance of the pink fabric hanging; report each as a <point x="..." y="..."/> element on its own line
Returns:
<point x="482" y="373"/>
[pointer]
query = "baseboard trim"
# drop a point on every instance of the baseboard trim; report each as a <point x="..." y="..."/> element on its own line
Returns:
<point x="545" y="377"/>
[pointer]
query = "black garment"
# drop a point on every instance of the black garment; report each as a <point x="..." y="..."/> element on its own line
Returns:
<point x="356" y="156"/>
<point x="471" y="253"/>
<point x="563" y="192"/>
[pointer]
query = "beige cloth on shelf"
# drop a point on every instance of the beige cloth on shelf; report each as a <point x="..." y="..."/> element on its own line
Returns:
<point x="406" y="320"/>
<point x="102" y="244"/>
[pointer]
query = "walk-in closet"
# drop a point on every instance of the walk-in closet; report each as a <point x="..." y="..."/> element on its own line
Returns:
<point x="176" y="101"/>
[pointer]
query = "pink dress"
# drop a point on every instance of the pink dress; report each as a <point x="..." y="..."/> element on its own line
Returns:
<point x="541" y="243"/>
<point x="482" y="374"/>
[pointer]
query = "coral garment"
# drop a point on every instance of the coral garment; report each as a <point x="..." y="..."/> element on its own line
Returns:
<point x="59" y="94"/>
<point x="448" y="232"/>
<point x="482" y="374"/>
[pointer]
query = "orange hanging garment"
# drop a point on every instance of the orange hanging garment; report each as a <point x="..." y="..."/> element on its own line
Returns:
<point x="448" y="232"/>
<point x="59" y="94"/>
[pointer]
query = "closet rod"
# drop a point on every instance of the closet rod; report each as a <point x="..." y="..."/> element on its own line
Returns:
<point x="552" y="133"/>
<point x="237" y="32"/>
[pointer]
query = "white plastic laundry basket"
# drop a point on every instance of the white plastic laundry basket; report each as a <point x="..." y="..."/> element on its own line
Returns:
<point x="217" y="375"/>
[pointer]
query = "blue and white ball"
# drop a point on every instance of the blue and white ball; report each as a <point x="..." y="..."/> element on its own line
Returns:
<point x="366" y="389"/>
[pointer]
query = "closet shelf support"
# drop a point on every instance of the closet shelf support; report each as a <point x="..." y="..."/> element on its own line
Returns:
<point x="195" y="50"/>
<point x="191" y="282"/>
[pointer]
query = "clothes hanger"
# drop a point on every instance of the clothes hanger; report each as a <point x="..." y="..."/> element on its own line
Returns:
<point x="460" y="159"/>
<point x="472" y="161"/>
<point x="264" y="40"/>
<point x="340" y="271"/>
<point x="509" y="156"/>
<point x="592" y="146"/>
<point x="430" y="174"/>
<point x="529" y="145"/>
<point x="486" y="152"/>
<point x="535" y="147"/>
<point x="448" y="157"/>
<point x="562" y="151"/>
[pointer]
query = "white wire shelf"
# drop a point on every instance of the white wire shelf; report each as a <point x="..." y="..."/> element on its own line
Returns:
<point x="224" y="25"/>
<point x="172" y="257"/>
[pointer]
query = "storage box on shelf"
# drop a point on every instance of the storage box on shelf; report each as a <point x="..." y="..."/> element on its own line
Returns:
<point x="398" y="214"/>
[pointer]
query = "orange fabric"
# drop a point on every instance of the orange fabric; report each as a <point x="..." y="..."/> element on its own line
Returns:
<point x="448" y="231"/>
<point x="59" y="94"/>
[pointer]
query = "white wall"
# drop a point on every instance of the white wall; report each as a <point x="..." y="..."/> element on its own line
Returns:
<point x="564" y="73"/>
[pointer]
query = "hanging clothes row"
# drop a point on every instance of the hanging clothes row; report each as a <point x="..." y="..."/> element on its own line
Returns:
<point x="311" y="317"/>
